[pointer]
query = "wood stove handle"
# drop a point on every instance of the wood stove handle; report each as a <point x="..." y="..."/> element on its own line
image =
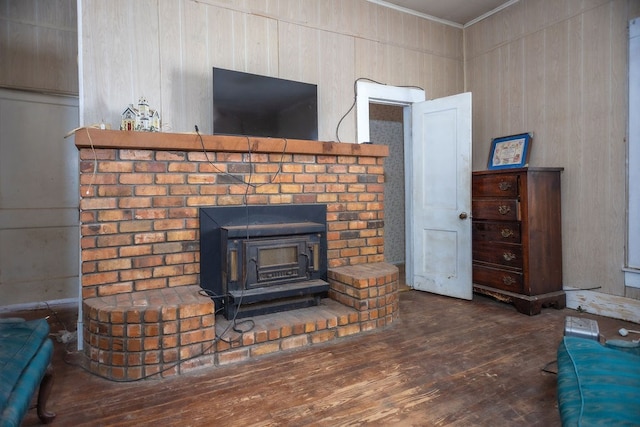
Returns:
<point x="233" y="265"/>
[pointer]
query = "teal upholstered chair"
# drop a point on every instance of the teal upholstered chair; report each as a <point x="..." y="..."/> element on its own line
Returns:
<point x="598" y="385"/>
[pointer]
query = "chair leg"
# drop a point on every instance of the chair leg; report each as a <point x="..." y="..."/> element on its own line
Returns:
<point x="43" y="395"/>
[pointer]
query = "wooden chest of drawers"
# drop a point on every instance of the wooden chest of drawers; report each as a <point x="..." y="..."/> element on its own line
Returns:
<point x="517" y="238"/>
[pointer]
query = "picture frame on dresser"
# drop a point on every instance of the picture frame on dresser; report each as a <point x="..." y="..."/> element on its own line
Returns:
<point x="510" y="151"/>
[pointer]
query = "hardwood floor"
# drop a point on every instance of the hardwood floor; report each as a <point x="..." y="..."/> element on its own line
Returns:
<point x="445" y="362"/>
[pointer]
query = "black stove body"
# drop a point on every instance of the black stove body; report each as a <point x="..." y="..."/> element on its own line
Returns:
<point x="263" y="259"/>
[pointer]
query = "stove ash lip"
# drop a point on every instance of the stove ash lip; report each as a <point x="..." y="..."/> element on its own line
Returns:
<point x="229" y="236"/>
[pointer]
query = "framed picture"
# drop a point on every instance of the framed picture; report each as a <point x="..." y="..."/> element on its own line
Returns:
<point x="510" y="151"/>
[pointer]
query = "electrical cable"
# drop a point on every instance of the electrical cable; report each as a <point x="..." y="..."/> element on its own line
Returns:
<point x="582" y="289"/>
<point x="55" y="314"/>
<point x="240" y="180"/>
<point x="249" y="184"/>
<point x="168" y="368"/>
<point x="233" y="324"/>
<point x="546" y="369"/>
<point x="93" y="150"/>
<point x="355" y="99"/>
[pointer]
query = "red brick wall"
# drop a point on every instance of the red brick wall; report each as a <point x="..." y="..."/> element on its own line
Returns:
<point x="139" y="208"/>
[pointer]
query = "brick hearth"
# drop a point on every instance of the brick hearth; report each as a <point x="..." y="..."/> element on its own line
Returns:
<point x="140" y="195"/>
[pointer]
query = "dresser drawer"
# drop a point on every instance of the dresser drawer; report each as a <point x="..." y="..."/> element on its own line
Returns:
<point x="498" y="278"/>
<point x="494" y="186"/>
<point x="496" y="231"/>
<point x="506" y="254"/>
<point x="496" y="209"/>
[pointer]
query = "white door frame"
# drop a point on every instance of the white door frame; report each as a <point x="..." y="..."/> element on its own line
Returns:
<point x="367" y="92"/>
<point x="632" y="268"/>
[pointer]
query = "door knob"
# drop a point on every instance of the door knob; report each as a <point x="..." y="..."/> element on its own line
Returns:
<point x="463" y="215"/>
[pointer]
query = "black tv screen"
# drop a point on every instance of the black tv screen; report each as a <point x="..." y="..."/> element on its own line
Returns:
<point x="255" y="105"/>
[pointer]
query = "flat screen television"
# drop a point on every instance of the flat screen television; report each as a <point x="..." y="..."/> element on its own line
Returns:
<point x="255" y="105"/>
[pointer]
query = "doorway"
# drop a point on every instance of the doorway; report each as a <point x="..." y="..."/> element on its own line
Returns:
<point x="390" y="102"/>
<point x="386" y="127"/>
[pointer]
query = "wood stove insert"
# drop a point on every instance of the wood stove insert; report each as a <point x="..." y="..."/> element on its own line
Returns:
<point x="263" y="259"/>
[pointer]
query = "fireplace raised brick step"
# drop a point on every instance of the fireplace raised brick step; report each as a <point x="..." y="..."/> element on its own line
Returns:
<point x="172" y="330"/>
<point x="135" y="335"/>
<point x="362" y="298"/>
<point x="286" y="330"/>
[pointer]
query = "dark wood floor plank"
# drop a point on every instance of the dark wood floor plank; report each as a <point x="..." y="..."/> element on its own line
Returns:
<point x="445" y="362"/>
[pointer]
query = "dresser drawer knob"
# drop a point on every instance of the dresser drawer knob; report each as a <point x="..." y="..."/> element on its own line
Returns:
<point x="506" y="232"/>
<point x="509" y="256"/>
<point x="508" y="280"/>
<point x="504" y="185"/>
<point x="504" y="209"/>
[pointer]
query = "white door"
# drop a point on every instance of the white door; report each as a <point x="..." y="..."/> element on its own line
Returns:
<point x="439" y="245"/>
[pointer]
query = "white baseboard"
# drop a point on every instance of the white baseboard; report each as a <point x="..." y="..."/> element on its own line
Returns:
<point x="602" y="304"/>
<point x="39" y="305"/>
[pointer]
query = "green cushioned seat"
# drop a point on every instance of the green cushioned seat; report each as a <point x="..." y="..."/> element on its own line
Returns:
<point x="597" y="385"/>
<point x="25" y="353"/>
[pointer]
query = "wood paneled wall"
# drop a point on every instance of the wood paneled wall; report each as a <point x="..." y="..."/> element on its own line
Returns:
<point x="38" y="167"/>
<point x="559" y="70"/>
<point x="165" y="51"/>
<point x="39" y="45"/>
<point x="554" y="67"/>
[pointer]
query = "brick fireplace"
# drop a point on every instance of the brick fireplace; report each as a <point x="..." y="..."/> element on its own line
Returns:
<point x="143" y="309"/>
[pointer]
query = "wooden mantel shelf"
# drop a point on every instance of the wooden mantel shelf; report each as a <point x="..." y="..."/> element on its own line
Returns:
<point x="97" y="138"/>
